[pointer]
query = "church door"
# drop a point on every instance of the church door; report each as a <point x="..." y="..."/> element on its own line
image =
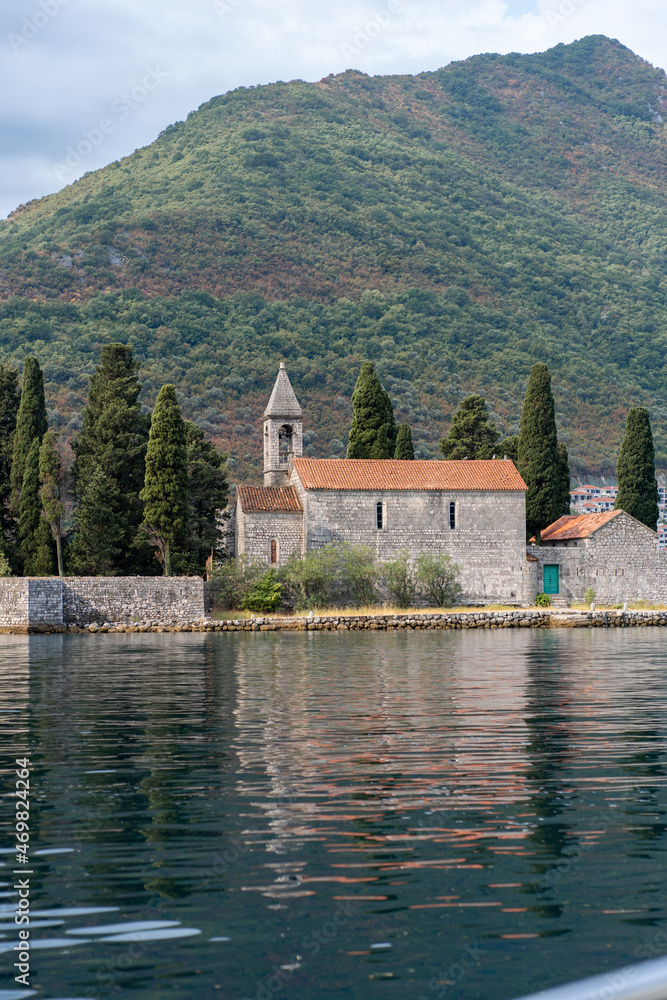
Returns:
<point x="551" y="579"/>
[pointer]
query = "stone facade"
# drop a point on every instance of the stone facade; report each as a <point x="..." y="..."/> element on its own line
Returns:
<point x="256" y="530"/>
<point x="620" y="561"/>
<point x="81" y="600"/>
<point x="487" y="540"/>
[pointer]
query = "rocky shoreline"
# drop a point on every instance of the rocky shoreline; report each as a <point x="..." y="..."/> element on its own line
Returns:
<point x="520" y="618"/>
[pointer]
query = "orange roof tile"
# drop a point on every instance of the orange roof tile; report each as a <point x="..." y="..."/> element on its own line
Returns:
<point x="278" y="499"/>
<point x="572" y="526"/>
<point x="395" y="474"/>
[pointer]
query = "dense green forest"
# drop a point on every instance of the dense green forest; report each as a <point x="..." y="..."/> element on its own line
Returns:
<point x="454" y="227"/>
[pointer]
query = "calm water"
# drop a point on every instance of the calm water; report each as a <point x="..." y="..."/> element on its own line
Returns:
<point x="319" y="816"/>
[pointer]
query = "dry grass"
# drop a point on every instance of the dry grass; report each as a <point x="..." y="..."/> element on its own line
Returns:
<point x="371" y="610"/>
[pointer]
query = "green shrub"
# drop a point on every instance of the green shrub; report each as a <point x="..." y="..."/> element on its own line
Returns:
<point x="437" y="576"/>
<point x="5" y="568"/>
<point x="334" y="573"/>
<point x="358" y="573"/>
<point x="265" y="596"/>
<point x="542" y="600"/>
<point x="398" y="578"/>
<point x="232" y="581"/>
<point x="312" y="577"/>
<point x="589" y="595"/>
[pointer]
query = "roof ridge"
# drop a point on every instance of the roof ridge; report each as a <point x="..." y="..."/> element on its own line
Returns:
<point x="408" y="474"/>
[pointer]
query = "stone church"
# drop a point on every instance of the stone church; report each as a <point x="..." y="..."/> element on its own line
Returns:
<point x="473" y="511"/>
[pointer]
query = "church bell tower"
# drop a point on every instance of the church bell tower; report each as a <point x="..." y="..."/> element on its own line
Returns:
<point x="283" y="431"/>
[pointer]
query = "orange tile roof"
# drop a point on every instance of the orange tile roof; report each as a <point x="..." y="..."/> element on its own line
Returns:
<point x="395" y="474"/>
<point x="255" y="499"/>
<point x="572" y="526"/>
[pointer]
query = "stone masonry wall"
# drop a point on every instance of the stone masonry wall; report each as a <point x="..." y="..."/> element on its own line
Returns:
<point x="45" y="600"/>
<point x="117" y="599"/>
<point x="14" y="601"/>
<point x="81" y="600"/>
<point x="276" y="473"/>
<point x="256" y="530"/>
<point x="621" y="562"/>
<point x="488" y="541"/>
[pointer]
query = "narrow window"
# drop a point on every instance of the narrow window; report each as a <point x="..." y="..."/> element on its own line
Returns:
<point x="274" y="551"/>
<point x="379" y="516"/>
<point x="452" y="515"/>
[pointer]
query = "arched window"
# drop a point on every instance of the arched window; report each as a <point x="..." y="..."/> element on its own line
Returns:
<point x="452" y="515"/>
<point x="379" y="516"/>
<point x="285" y="444"/>
<point x="274" y="551"/>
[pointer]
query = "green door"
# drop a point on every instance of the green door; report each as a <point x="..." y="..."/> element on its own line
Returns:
<point x="550" y="579"/>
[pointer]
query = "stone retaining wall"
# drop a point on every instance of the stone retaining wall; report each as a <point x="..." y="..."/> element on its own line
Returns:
<point x="49" y="601"/>
<point x="525" y="618"/>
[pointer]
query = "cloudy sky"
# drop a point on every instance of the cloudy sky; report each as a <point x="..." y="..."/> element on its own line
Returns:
<point x="137" y="65"/>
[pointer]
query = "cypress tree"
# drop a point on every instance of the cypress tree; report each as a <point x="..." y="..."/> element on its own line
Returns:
<point x="471" y="433"/>
<point x="207" y="493"/>
<point x="390" y="421"/>
<point x="538" y="451"/>
<point x="373" y="430"/>
<point x="509" y="446"/>
<point x="166" y="483"/>
<point x="34" y="534"/>
<point x="10" y="397"/>
<point x="30" y="425"/>
<point x="563" y="497"/>
<point x="635" y="470"/>
<point x="114" y="437"/>
<point x="50" y="477"/>
<point x="95" y="550"/>
<point x="404" y="448"/>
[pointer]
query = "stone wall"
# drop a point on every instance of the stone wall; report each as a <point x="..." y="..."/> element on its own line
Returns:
<point x="255" y="530"/>
<point x="621" y="562"/>
<point x="14" y="601"/>
<point x="81" y="600"/>
<point x="276" y="472"/>
<point x="488" y="542"/>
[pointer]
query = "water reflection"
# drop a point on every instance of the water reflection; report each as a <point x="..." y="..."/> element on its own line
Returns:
<point x="500" y="791"/>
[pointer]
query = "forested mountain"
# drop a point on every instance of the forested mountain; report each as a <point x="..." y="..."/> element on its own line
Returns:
<point x="454" y="227"/>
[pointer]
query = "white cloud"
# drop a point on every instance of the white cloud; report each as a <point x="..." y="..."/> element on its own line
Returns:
<point x="66" y="62"/>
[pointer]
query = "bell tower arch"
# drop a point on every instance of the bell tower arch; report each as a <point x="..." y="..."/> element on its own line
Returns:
<point x="283" y="431"/>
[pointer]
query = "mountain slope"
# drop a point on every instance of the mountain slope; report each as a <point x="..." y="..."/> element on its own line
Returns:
<point x="454" y="226"/>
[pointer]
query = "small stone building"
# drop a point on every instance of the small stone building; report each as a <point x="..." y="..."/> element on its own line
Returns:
<point x="612" y="553"/>
<point x="471" y="510"/>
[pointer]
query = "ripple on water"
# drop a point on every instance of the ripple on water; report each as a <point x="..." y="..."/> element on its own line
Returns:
<point x="133" y="925"/>
<point x="175" y="932"/>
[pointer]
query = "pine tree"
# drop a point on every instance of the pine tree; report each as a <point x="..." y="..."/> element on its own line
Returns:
<point x="51" y="492"/>
<point x="31" y="425"/>
<point x="34" y="534"/>
<point x="10" y="397"/>
<point x="95" y="550"/>
<point x="635" y="470"/>
<point x="371" y="412"/>
<point x="207" y="493"/>
<point x="538" y="451"/>
<point x="113" y="438"/>
<point x="471" y="434"/>
<point x="563" y="497"/>
<point x="404" y="447"/>
<point x="166" y="484"/>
